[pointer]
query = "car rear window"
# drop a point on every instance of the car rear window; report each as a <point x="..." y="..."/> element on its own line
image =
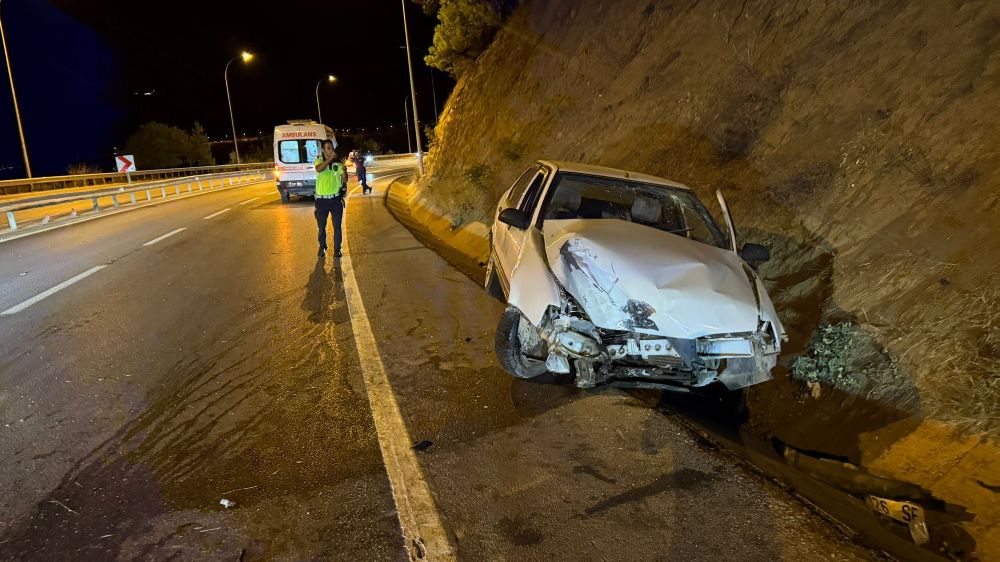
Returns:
<point x="298" y="151"/>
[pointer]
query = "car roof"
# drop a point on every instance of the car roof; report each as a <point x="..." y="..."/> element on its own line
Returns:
<point x="578" y="167"/>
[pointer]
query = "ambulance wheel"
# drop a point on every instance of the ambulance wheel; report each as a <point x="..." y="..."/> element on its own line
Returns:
<point x="284" y="197"/>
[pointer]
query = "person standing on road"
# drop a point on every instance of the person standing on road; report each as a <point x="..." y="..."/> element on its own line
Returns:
<point x="359" y="167"/>
<point x="331" y="190"/>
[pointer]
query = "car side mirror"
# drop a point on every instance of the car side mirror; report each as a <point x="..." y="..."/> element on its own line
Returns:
<point x="515" y="217"/>
<point x="755" y="253"/>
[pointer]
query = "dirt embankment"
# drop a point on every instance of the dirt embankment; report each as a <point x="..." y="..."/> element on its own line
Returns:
<point x="857" y="139"/>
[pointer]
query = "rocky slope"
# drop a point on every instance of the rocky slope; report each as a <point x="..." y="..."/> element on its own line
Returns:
<point x="857" y="139"/>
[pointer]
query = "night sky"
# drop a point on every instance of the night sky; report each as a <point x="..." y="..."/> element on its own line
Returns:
<point x="83" y="69"/>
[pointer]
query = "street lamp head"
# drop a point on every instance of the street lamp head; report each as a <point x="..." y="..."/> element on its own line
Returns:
<point x="331" y="78"/>
<point x="246" y="56"/>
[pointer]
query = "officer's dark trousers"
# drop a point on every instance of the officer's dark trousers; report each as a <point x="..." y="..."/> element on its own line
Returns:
<point x="334" y="208"/>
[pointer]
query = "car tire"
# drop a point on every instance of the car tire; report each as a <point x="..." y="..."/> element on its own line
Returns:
<point x="493" y="287"/>
<point x="509" y="350"/>
<point x="284" y="197"/>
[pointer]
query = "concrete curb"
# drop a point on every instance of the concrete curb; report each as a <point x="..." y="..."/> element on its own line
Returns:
<point x="466" y="246"/>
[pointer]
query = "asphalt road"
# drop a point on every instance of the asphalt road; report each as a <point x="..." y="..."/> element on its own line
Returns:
<point x="221" y="362"/>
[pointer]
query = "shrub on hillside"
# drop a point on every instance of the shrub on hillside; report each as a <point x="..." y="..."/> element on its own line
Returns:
<point x="465" y="29"/>
<point x="828" y="358"/>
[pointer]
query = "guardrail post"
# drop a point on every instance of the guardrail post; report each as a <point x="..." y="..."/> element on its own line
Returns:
<point x="94" y="201"/>
<point x="149" y="196"/>
<point x="114" y="200"/>
<point x="230" y="180"/>
<point x="163" y="190"/>
<point x="199" y="185"/>
<point x="189" y="188"/>
<point x="11" y="221"/>
<point x="132" y="196"/>
<point x="177" y="189"/>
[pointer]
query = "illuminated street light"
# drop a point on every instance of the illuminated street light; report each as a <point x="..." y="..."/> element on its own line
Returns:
<point x="17" y="112"/>
<point x="331" y="79"/>
<point x="247" y="57"/>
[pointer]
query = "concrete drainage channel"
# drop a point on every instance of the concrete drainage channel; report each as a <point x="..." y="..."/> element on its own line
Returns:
<point x="860" y="503"/>
<point x="38" y="214"/>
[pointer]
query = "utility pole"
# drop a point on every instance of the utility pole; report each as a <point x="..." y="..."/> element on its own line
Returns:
<point x="409" y="136"/>
<point x="13" y="94"/>
<point x="413" y="94"/>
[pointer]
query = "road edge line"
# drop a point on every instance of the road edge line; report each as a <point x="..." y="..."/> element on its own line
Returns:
<point x="424" y="536"/>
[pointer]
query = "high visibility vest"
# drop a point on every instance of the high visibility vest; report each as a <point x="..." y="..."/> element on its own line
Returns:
<point x="331" y="179"/>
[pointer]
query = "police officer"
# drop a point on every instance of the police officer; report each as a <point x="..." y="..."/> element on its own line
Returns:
<point x="331" y="189"/>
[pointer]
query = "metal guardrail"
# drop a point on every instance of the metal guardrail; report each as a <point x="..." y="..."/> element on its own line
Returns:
<point x="25" y="185"/>
<point x="385" y="157"/>
<point x="190" y="182"/>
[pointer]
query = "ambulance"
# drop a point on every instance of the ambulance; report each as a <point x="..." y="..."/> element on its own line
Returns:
<point x="296" y="147"/>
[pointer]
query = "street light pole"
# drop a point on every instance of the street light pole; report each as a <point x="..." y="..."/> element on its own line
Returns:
<point x="331" y="79"/>
<point x="232" y="120"/>
<point x="434" y="96"/>
<point x="13" y="95"/>
<point x="406" y="115"/>
<point x="433" y="87"/>
<point x="413" y="93"/>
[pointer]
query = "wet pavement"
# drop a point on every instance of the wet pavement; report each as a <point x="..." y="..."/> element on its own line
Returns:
<point x="220" y="363"/>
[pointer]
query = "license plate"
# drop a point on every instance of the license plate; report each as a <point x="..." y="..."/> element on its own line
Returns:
<point x="294" y="184"/>
<point x="905" y="512"/>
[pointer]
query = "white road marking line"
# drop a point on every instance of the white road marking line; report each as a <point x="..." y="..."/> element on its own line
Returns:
<point x="249" y="200"/>
<point x="217" y="213"/>
<point x="167" y="235"/>
<point x="48" y="293"/>
<point x="423" y="535"/>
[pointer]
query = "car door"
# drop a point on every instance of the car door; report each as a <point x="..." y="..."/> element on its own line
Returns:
<point x="499" y="230"/>
<point x="509" y="248"/>
<point x="729" y="220"/>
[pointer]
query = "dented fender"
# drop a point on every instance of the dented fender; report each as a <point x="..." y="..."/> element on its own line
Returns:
<point x="532" y="286"/>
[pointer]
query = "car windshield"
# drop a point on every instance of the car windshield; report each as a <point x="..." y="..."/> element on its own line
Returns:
<point x="677" y="211"/>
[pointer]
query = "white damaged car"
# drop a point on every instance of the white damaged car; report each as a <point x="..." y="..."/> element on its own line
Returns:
<point x="625" y="279"/>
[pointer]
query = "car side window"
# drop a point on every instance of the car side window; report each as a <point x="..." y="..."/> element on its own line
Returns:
<point x="519" y="187"/>
<point x="534" y="192"/>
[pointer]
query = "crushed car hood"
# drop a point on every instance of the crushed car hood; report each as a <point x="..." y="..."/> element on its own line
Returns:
<point x="627" y="276"/>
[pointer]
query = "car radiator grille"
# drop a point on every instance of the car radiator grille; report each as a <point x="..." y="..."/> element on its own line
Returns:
<point x="665" y="362"/>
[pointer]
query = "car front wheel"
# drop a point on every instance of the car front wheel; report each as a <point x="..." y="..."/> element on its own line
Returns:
<point x="516" y="342"/>
<point x="493" y="287"/>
